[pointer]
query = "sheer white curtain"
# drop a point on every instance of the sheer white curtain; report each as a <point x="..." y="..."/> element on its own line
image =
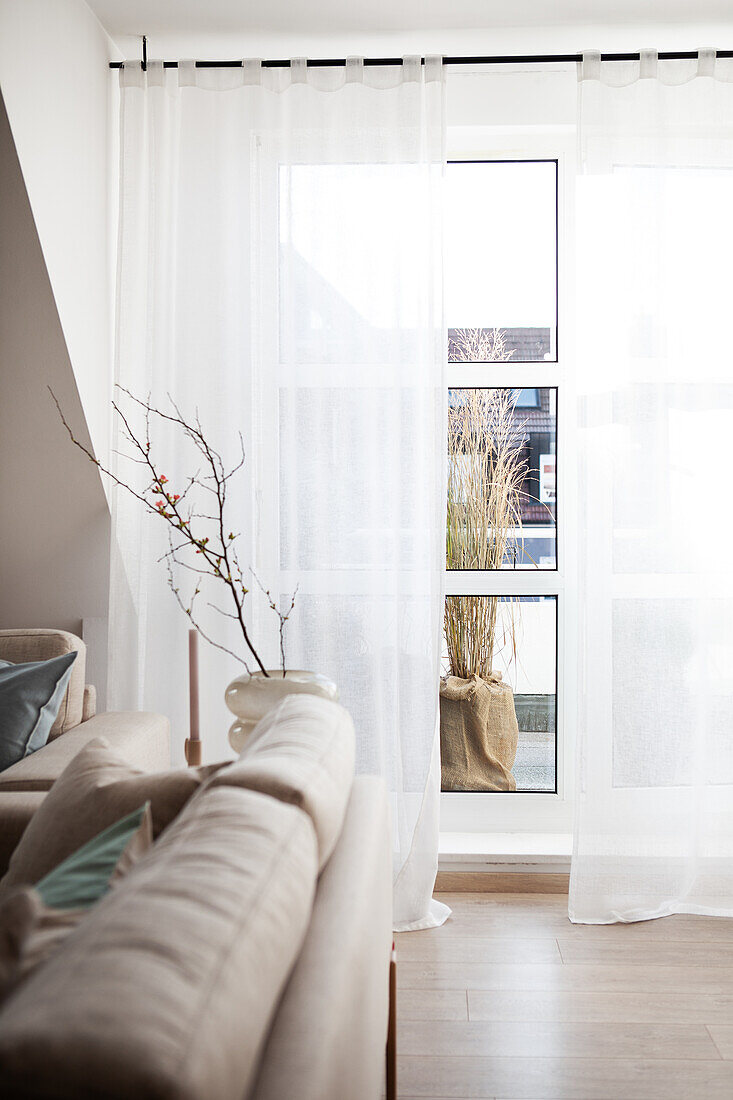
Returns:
<point x="280" y="271"/>
<point x="654" y="831"/>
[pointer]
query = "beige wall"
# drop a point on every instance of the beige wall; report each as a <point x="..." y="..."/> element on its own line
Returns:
<point x="57" y="208"/>
<point x="54" y="520"/>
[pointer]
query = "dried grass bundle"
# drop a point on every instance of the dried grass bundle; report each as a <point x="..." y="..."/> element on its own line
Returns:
<point x="486" y="471"/>
<point x="479" y="345"/>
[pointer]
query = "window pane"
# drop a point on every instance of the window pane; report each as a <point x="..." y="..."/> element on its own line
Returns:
<point x="510" y="642"/>
<point x="501" y="479"/>
<point x="330" y="433"/>
<point x="501" y="261"/>
<point x="338" y="225"/>
<point x="696" y="666"/>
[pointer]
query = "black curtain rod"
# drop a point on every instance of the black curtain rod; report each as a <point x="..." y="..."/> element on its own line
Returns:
<point x="502" y="59"/>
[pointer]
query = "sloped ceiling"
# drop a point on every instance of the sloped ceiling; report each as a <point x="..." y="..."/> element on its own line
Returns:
<point x="54" y="530"/>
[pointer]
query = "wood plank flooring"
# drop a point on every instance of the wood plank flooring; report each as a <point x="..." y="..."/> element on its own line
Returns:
<point x="510" y="1001"/>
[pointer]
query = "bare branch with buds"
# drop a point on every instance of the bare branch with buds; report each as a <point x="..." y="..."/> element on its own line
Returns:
<point x="192" y="534"/>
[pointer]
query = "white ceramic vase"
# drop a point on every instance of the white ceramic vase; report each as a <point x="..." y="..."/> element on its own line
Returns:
<point x="250" y="697"/>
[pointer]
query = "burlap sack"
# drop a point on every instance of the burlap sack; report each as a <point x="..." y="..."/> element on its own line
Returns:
<point x="478" y="734"/>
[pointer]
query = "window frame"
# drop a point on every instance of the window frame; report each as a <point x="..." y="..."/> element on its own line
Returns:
<point x="532" y="811"/>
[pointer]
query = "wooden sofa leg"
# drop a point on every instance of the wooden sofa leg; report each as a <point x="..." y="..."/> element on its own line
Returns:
<point x="392" y="1029"/>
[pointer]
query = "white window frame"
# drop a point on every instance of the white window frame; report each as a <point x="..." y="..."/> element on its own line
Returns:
<point x="532" y="812"/>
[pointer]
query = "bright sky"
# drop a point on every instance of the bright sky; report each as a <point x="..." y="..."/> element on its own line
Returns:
<point x="655" y="262"/>
<point x="349" y="221"/>
<point x="500" y="245"/>
<point x="500" y="239"/>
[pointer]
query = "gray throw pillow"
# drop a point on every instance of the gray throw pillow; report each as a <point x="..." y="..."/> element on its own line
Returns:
<point x="30" y="697"/>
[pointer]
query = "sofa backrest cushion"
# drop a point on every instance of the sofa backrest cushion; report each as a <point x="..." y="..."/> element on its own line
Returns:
<point x="169" y="987"/>
<point x="19" y="646"/>
<point x="96" y="789"/>
<point x="302" y="752"/>
<point x="16" y="810"/>
<point x="344" y="990"/>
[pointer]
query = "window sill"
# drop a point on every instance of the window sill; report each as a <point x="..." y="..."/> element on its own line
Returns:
<point x="546" y="853"/>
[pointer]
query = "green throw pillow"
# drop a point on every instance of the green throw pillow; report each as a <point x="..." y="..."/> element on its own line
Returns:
<point x="84" y="877"/>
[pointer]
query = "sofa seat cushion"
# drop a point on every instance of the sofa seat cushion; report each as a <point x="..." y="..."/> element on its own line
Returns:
<point x="168" y="989"/>
<point x="302" y="752"/>
<point x="143" y="740"/>
<point x="97" y="788"/>
<point x="19" y="646"/>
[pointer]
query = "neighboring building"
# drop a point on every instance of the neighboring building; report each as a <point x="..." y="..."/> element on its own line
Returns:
<point x="523" y="345"/>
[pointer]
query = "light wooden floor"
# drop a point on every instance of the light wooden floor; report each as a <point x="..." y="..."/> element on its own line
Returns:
<point x="510" y="1000"/>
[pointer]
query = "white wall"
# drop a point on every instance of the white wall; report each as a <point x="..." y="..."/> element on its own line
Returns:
<point x="58" y="94"/>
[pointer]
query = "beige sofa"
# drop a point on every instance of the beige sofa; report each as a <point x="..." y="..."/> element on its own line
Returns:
<point x="143" y="739"/>
<point x="245" y="956"/>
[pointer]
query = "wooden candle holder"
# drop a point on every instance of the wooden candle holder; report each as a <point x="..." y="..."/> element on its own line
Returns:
<point x="192" y="748"/>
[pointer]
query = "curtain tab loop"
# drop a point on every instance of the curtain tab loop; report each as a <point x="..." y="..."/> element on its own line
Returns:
<point x="706" y="59"/>
<point x="354" y="70"/>
<point x="156" y="74"/>
<point x="411" y="68"/>
<point x="648" y="62"/>
<point x="252" y="70"/>
<point x="132" y="75"/>
<point x="298" y="70"/>
<point x="590" y="67"/>
<point x="434" y="69"/>
<point x="187" y="73"/>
